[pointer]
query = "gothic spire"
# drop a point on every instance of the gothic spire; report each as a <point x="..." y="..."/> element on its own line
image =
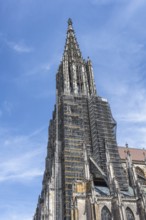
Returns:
<point x="75" y="75"/>
<point x="72" y="50"/>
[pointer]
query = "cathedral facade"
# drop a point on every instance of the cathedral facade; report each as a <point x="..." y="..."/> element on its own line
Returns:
<point x="87" y="177"/>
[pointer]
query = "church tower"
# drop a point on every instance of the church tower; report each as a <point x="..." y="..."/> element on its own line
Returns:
<point x="83" y="168"/>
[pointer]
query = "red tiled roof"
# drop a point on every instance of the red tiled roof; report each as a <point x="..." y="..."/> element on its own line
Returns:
<point x="136" y="154"/>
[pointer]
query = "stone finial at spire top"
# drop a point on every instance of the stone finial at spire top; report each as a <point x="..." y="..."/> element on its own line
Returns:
<point x="70" y="24"/>
<point x="69" y="21"/>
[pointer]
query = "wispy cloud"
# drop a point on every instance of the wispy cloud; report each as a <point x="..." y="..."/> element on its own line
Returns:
<point x="134" y="135"/>
<point x="20" y="167"/>
<point x="16" y="216"/>
<point x="132" y="106"/>
<point x="20" y="216"/>
<point x="134" y="5"/>
<point x="16" y="211"/>
<point x="41" y="69"/>
<point x="130" y="113"/>
<point x="19" y="47"/>
<point x="134" y="117"/>
<point x="19" y="155"/>
<point x="119" y="67"/>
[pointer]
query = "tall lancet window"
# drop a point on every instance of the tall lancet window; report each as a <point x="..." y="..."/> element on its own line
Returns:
<point x="105" y="214"/>
<point x="129" y="214"/>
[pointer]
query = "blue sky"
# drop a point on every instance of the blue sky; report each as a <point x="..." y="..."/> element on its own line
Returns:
<point x="32" y="37"/>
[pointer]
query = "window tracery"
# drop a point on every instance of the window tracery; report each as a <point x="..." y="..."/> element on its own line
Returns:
<point x="105" y="214"/>
<point x="129" y="214"/>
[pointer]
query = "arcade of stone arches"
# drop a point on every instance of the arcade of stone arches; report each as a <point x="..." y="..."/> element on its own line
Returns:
<point x="106" y="215"/>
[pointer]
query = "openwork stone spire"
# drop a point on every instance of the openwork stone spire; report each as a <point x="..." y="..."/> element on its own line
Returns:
<point x="75" y="75"/>
<point x="71" y="51"/>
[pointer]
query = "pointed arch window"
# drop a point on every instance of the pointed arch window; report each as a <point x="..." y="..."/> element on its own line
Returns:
<point x="105" y="214"/>
<point x="141" y="175"/>
<point x="139" y="171"/>
<point x="129" y="214"/>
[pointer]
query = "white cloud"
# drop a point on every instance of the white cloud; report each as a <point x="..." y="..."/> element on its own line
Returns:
<point x="39" y="70"/>
<point x="19" y="47"/>
<point x="17" y="217"/>
<point x="21" y="176"/>
<point x="134" y="135"/>
<point x="134" y="110"/>
<point x="130" y="113"/>
<point x="134" y="117"/>
<point x="20" y="216"/>
<point x="135" y="5"/>
<point x="22" y="157"/>
<point x="20" y="167"/>
<point x="12" y="215"/>
<point x="120" y="51"/>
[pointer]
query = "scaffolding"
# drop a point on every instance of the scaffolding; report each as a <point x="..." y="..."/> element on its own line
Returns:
<point x="103" y="132"/>
<point x="73" y="157"/>
<point x="81" y="125"/>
